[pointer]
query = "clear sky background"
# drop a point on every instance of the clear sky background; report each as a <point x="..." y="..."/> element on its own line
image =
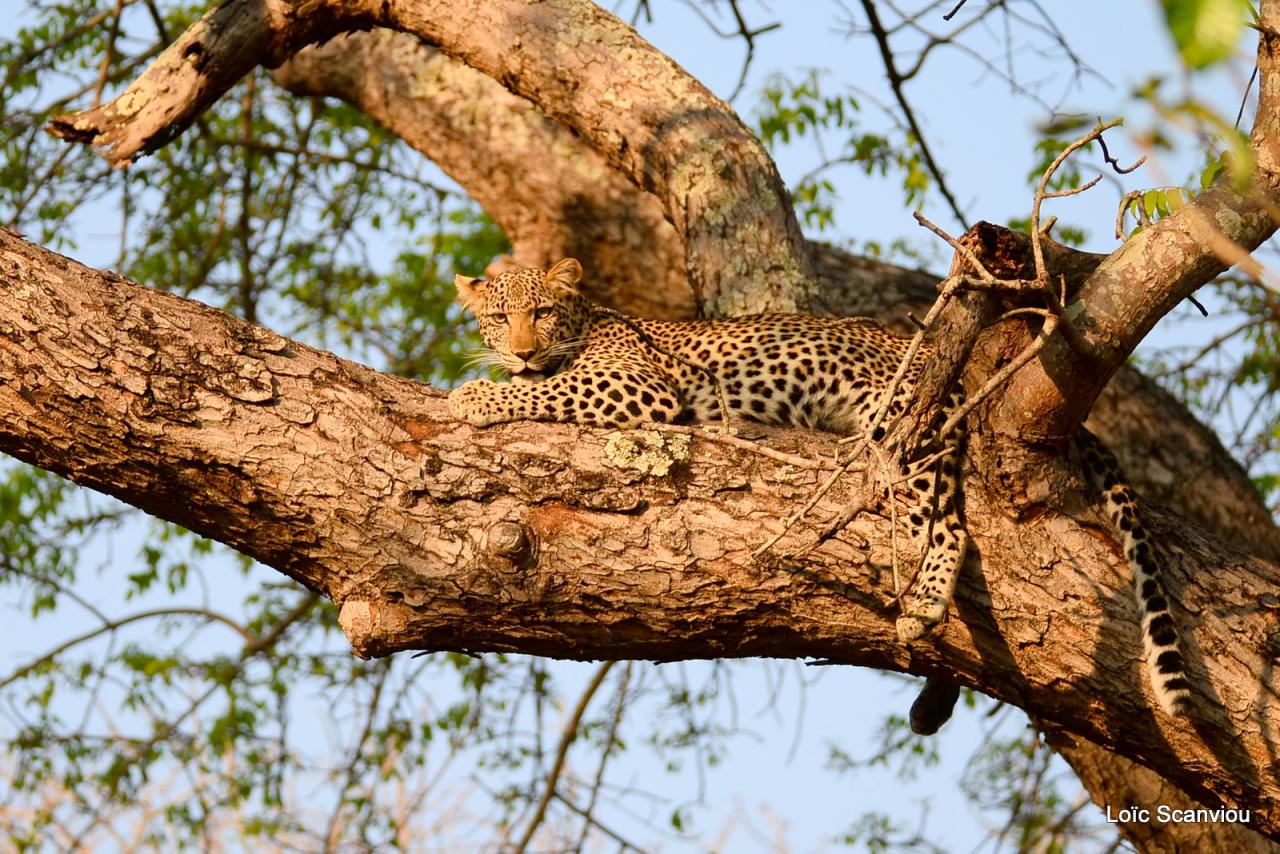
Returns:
<point x="771" y="790"/>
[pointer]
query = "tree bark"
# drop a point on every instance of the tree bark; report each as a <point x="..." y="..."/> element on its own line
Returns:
<point x="548" y="212"/>
<point x="561" y="540"/>
<point x="633" y="104"/>
<point x="552" y="195"/>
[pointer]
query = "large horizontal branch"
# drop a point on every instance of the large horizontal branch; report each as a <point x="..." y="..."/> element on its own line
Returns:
<point x="481" y="134"/>
<point x="495" y="134"/>
<point x="652" y="121"/>
<point x="580" y="543"/>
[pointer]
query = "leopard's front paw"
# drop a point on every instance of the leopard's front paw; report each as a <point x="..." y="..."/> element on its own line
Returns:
<point x="476" y="403"/>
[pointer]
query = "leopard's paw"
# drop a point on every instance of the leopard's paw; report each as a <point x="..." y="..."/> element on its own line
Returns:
<point x="919" y="617"/>
<point x="476" y="403"/>
<point x="911" y="628"/>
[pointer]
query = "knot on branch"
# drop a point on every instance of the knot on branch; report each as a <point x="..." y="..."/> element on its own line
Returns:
<point x="508" y="540"/>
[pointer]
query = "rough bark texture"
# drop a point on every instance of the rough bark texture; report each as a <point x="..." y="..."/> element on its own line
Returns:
<point x="551" y="194"/>
<point x="633" y="104"/>
<point x="583" y="543"/>
<point x="1171" y="260"/>
<point x="1159" y="444"/>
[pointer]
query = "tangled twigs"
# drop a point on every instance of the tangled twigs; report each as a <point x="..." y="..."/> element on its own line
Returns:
<point x="1037" y="251"/>
<point x="946" y="291"/>
<point x="788" y="522"/>
<point x="983" y="273"/>
<point x="837" y="525"/>
<point x="1112" y="162"/>
<point x="1002" y="376"/>
<point x="1139" y="210"/>
<point x="888" y="469"/>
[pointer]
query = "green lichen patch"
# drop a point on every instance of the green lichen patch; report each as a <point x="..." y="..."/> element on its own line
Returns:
<point x="647" y="451"/>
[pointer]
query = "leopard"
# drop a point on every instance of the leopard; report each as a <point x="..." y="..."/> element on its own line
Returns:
<point x="571" y="360"/>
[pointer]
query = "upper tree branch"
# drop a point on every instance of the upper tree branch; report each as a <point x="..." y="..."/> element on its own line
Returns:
<point x="553" y="539"/>
<point x="1151" y="273"/>
<point x="584" y="67"/>
<point x="573" y="204"/>
<point x="896" y="81"/>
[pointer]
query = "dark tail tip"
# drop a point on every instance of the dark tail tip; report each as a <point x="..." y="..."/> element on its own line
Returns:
<point x="934" y="706"/>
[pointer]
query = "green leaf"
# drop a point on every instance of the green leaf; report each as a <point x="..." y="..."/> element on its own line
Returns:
<point x="1205" y="31"/>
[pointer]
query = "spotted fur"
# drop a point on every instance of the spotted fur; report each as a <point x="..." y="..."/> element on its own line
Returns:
<point x="819" y="372"/>
<point x="1165" y="667"/>
<point x="571" y="361"/>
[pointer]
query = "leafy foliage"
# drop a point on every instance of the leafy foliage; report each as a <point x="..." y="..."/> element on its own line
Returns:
<point x="793" y="109"/>
<point x="1205" y="31"/>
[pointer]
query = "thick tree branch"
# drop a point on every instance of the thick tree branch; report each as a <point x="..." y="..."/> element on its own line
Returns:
<point x="1160" y="445"/>
<point x="1151" y="273"/>
<point x="573" y="204"/>
<point x="633" y="104"/>
<point x="563" y="541"/>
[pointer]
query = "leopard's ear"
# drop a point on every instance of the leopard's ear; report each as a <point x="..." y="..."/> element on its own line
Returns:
<point x="564" y="276"/>
<point x="470" y="292"/>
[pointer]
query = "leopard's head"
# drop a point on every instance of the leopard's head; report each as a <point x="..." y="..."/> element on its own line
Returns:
<point x="531" y="321"/>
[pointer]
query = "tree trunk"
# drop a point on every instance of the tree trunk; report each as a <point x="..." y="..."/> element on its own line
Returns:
<point x="561" y="540"/>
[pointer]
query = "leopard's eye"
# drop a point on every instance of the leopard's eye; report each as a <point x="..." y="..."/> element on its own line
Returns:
<point x="498" y="317"/>
<point x="542" y="311"/>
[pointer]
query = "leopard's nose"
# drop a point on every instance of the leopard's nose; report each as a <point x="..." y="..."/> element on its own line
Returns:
<point x="524" y="355"/>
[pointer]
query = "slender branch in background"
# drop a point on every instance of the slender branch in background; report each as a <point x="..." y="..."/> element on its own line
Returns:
<point x="247" y="288"/>
<point x="939" y="40"/>
<point x="328" y="157"/>
<point x="7" y="565"/>
<point x="35" y="53"/>
<point x="624" y="844"/>
<point x="895" y="83"/>
<point x="749" y="36"/>
<point x="109" y="55"/>
<point x="255" y="647"/>
<point x="642" y="6"/>
<point x="112" y="625"/>
<point x="567" y="738"/>
<point x="1244" y="98"/>
<point x="746" y="33"/>
<point x="607" y="751"/>
<point x="333" y="834"/>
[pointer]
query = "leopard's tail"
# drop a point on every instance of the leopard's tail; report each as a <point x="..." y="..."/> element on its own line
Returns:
<point x="1165" y="665"/>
